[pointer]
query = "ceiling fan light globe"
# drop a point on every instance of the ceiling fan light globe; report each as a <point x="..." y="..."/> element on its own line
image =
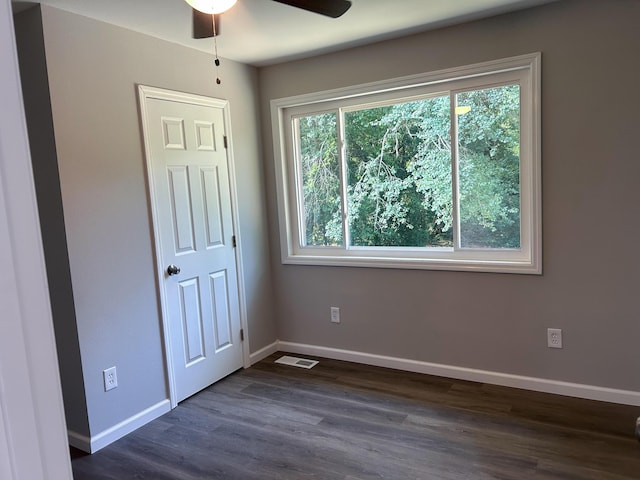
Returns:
<point x="212" y="6"/>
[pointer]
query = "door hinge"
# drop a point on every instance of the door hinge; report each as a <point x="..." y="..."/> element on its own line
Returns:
<point x="242" y="334"/>
<point x="233" y="241"/>
<point x="226" y="145"/>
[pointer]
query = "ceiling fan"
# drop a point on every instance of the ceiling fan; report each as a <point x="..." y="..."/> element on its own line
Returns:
<point x="203" y="26"/>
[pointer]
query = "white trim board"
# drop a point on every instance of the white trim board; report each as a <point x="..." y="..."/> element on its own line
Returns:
<point x="32" y="440"/>
<point x="264" y="352"/>
<point x="94" y="443"/>
<point x="590" y="392"/>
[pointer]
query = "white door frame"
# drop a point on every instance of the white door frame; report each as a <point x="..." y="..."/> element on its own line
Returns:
<point x="33" y="438"/>
<point x="146" y="93"/>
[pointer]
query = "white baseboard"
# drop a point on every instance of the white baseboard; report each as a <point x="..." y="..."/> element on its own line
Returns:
<point x="264" y="352"/>
<point x="81" y="442"/>
<point x="110" y="435"/>
<point x="591" y="392"/>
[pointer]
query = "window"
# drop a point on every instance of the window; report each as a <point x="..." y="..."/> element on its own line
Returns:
<point x="436" y="171"/>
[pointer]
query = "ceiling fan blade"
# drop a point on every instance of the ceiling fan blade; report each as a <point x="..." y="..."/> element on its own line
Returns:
<point x="202" y="24"/>
<point x="329" y="8"/>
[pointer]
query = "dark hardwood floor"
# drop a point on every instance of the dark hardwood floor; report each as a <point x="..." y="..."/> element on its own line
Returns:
<point x="346" y="421"/>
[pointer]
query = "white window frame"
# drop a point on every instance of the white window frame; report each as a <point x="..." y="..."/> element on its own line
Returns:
<point x="527" y="259"/>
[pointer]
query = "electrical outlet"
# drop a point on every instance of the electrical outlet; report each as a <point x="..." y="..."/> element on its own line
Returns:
<point x="335" y="315"/>
<point x="110" y="378"/>
<point x="554" y="337"/>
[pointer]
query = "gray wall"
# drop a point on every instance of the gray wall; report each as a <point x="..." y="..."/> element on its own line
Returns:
<point x="93" y="69"/>
<point x="35" y="87"/>
<point x="498" y="322"/>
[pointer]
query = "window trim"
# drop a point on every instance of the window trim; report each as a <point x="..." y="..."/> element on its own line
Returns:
<point x="526" y="260"/>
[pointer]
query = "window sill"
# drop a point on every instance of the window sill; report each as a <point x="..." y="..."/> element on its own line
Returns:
<point x="448" y="264"/>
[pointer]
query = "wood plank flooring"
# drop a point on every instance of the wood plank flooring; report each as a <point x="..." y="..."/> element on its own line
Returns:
<point x="347" y="421"/>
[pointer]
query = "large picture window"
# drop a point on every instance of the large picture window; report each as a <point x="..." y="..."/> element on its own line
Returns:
<point x="436" y="171"/>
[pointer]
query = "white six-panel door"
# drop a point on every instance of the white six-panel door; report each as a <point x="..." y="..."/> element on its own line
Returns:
<point x="190" y="190"/>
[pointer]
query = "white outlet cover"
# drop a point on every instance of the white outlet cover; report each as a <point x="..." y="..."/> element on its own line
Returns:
<point x="110" y="378"/>
<point x="554" y="337"/>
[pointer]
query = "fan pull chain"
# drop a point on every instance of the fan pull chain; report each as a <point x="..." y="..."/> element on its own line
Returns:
<point x="215" y="50"/>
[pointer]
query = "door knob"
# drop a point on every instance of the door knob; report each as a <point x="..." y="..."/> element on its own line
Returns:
<point x="173" y="270"/>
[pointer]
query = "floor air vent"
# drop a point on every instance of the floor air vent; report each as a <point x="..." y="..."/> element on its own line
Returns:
<point x="297" y="362"/>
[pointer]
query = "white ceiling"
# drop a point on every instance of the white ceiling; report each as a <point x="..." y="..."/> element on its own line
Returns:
<point x="262" y="32"/>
